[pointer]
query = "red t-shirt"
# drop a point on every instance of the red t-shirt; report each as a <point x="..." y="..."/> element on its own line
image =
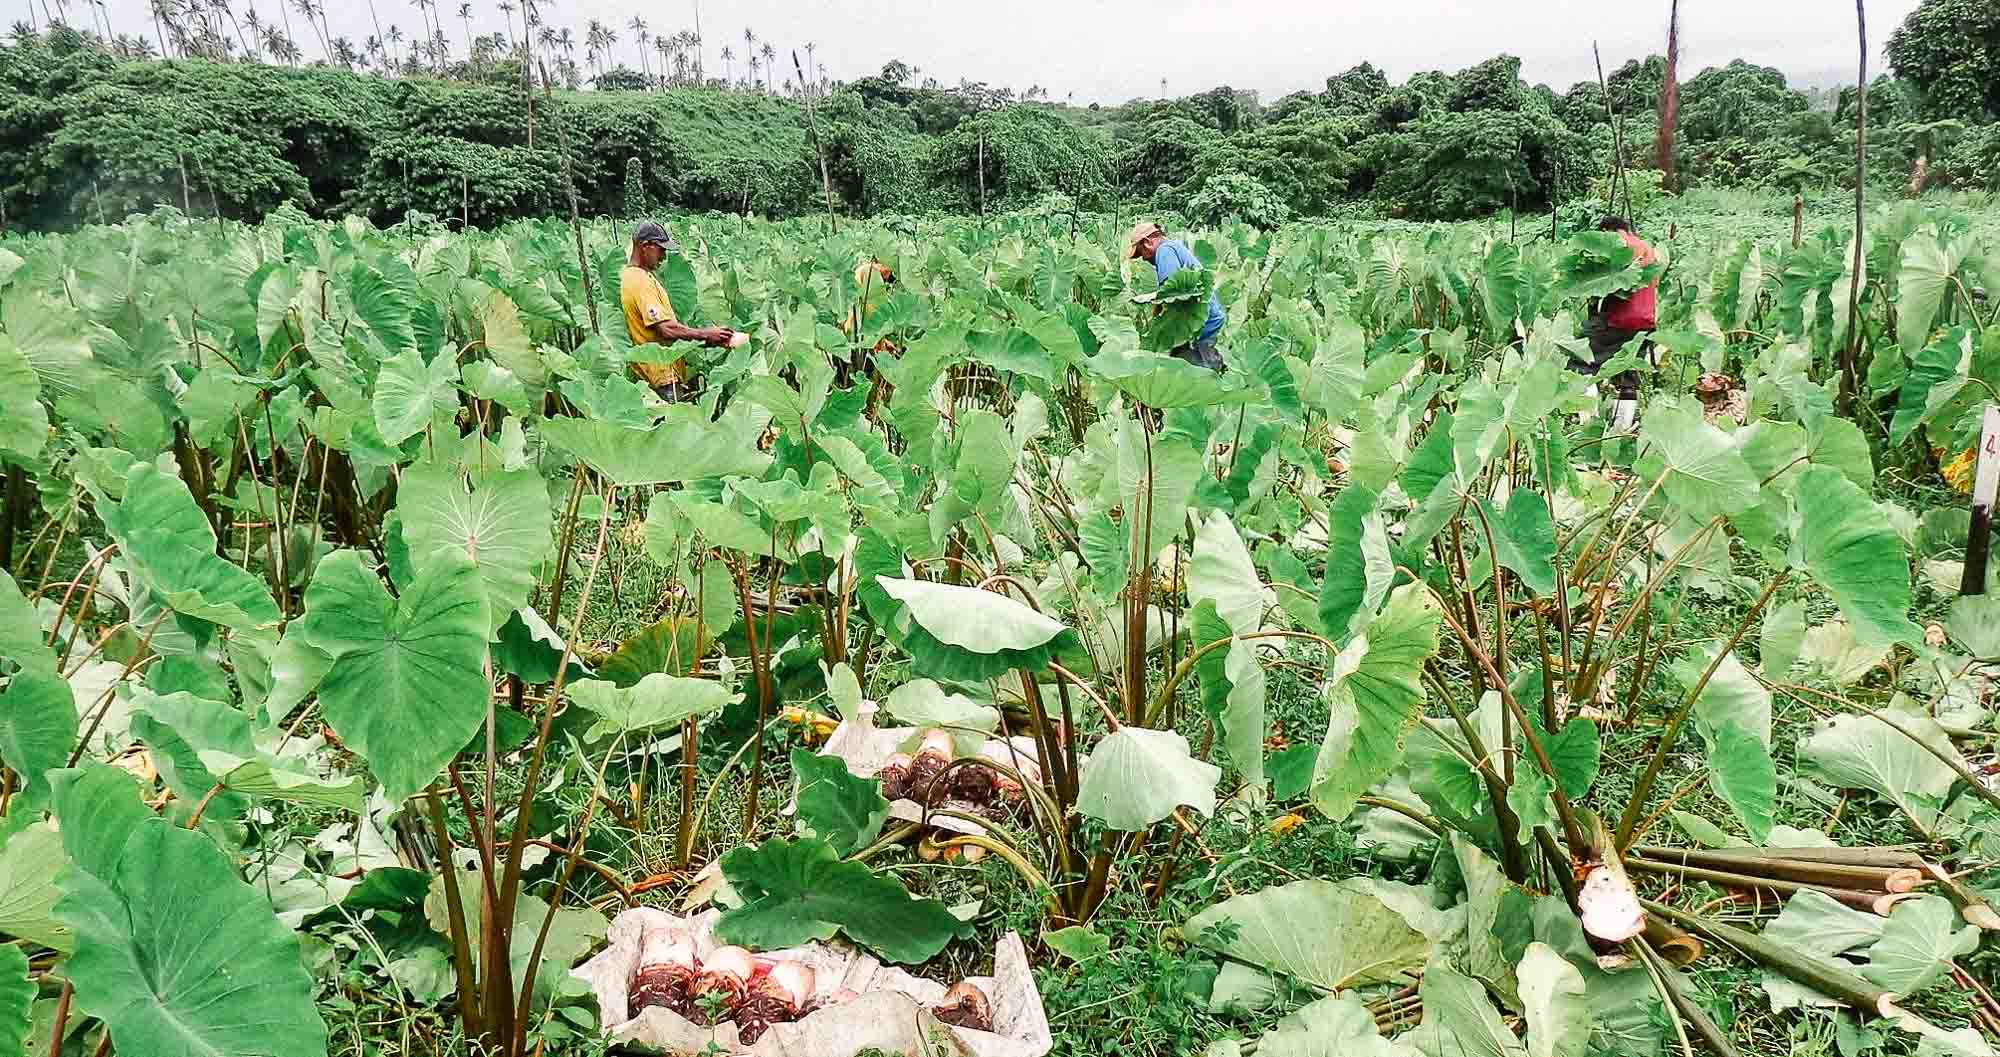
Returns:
<point x="1637" y="309"/>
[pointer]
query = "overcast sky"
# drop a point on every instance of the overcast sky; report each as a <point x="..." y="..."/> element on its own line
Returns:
<point x="1114" y="50"/>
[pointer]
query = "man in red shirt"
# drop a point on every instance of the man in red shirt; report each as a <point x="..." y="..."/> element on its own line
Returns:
<point x="1618" y="318"/>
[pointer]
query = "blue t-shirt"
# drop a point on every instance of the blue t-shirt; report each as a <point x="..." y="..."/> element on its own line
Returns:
<point x="1173" y="255"/>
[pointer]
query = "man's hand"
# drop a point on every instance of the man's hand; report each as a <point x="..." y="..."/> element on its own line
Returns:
<point x="714" y="337"/>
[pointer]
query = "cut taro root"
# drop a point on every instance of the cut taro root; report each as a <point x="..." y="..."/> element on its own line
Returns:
<point x="965" y="1006"/>
<point x="973" y="784"/>
<point x="780" y="995"/>
<point x="895" y="776"/>
<point x="725" y="975"/>
<point x="932" y="759"/>
<point x="667" y="971"/>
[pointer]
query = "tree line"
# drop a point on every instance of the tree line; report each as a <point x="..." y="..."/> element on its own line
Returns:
<point x="93" y="126"/>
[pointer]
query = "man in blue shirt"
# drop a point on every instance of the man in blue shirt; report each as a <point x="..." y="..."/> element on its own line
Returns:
<point x="1168" y="256"/>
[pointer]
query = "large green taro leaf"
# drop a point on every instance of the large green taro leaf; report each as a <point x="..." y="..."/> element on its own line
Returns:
<point x="406" y="689"/>
<point x="1703" y="473"/>
<point x="686" y="446"/>
<point x="30" y="860"/>
<point x="1733" y="716"/>
<point x="963" y="633"/>
<point x="1136" y="777"/>
<point x="1865" y="752"/>
<point x="501" y="524"/>
<point x="1459" y="1020"/>
<point x="1358" y="565"/>
<point x="408" y="392"/>
<point x="798" y="891"/>
<point x="1334" y="1026"/>
<point x="1552" y="992"/>
<point x="1852" y="551"/>
<point x="1375" y="700"/>
<point x="21" y="639"/>
<point x="1317" y="932"/>
<point x="656" y="700"/>
<point x="37" y="731"/>
<point x="24" y="425"/>
<point x="17" y="1000"/>
<point x="169" y="544"/>
<point x="836" y="806"/>
<point x="1922" y="284"/>
<point x="970" y="618"/>
<point x="1918" y="945"/>
<point x="180" y="958"/>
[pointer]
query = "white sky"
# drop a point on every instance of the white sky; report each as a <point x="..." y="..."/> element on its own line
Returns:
<point x="1114" y="50"/>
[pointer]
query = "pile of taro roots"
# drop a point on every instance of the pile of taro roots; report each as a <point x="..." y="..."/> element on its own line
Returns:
<point x="734" y="985"/>
<point x="924" y="778"/>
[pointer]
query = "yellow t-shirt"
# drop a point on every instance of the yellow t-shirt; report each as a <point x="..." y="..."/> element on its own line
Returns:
<point x="646" y="304"/>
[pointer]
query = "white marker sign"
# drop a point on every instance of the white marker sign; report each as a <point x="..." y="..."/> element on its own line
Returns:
<point x="1986" y="479"/>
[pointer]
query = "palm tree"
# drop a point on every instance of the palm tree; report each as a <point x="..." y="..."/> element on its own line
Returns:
<point x="373" y="17"/>
<point x="161" y="15"/>
<point x="344" y="53"/>
<point x="770" y="66"/>
<point x="223" y="7"/>
<point x="306" y="8"/>
<point x="642" y="36"/>
<point x="465" y="16"/>
<point x="256" y="27"/>
<point x="593" y="40"/>
<point x="423" y="15"/>
<point x="507" y="15"/>
<point x="728" y="71"/>
<point x="756" y="64"/>
<point x="547" y="38"/>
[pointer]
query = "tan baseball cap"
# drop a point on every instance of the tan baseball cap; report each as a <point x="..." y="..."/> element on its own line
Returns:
<point x="1140" y="232"/>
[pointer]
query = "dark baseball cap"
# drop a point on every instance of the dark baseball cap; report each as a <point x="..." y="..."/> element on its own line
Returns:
<point x="652" y="233"/>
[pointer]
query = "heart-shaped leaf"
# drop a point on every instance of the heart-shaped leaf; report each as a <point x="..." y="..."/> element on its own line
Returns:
<point x="406" y="689"/>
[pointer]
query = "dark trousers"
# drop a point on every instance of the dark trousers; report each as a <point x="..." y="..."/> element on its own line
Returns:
<point x="1201" y="354"/>
<point x="1607" y="341"/>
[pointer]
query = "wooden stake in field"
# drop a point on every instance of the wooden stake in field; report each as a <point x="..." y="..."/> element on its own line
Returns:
<point x="1850" y="353"/>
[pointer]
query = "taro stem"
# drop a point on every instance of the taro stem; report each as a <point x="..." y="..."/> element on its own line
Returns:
<point x="1831" y="875"/>
<point x="1866" y="998"/>
<point x="1644" y="786"/>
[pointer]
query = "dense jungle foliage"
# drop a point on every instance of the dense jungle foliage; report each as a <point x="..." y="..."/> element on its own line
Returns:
<point x="89" y="132"/>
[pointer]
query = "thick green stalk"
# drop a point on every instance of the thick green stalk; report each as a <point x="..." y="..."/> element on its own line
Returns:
<point x="1817" y="973"/>
<point x="1644" y="786"/>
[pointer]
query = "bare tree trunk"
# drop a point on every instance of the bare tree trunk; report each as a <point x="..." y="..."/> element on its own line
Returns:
<point x="575" y="214"/>
<point x="812" y="122"/>
<point x="1850" y="357"/>
<point x="1617" y="136"/>
<point x="1670" y="103"/>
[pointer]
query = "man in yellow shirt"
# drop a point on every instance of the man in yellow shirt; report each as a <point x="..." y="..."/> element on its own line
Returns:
<point x="649" y="315"/>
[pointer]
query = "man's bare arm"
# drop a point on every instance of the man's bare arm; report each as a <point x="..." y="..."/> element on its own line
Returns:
<point x="671" y="331"/>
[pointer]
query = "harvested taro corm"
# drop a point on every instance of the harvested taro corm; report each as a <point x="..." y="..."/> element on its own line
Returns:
<point x="965" y="1006"/>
